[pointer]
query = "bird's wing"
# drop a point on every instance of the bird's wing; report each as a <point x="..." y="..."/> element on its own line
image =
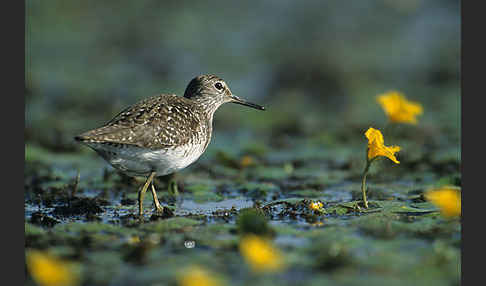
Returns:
<point x="162" y="121"/>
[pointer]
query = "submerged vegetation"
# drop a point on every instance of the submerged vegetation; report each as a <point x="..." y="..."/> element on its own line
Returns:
<point x="246" y="216"/>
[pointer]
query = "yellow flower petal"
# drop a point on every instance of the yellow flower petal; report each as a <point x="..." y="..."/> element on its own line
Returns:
<point x="317" y="224"/>
<point x="133" y="239"/>
<point x="376" y="146"/>
<point x="398" y="108"/>
<point x="260" y="254"/>
<point x="196" y="276"/>
<point x="316" y="206"/>
<point x="246" y="161"/>
<point x="48" y="270"/>
<point x="447" y="199"/>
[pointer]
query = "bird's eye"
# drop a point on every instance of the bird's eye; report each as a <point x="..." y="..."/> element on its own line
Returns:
<point x="218" y="86"/>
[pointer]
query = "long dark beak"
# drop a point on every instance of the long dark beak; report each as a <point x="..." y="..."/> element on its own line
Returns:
<point x="238" y="100"/>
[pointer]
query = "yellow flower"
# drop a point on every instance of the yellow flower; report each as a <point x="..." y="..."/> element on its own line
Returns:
<point x="317" y="224"/>
<point x="260" y="254"/>
<point x="133" y="240"/>
<point x="246" y="161"/>
<point x="196" y="276"/>
<point x="48" y="270"/>
<point x="447" y="199"/>
<point x="317" y="206"/>
<point x="398" y="108"/>
<point x="376" y="146"/>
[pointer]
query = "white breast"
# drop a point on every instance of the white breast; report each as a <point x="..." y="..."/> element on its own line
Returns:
<point x="171" y="160"/>
<point x="136" y="161"/>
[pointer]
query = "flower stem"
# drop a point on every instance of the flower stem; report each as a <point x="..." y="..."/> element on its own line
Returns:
<point x="363" y="182"/>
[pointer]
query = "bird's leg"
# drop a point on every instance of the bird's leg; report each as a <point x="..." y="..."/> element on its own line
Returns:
<point x="156" y="200"/>
<point x="172" y="186"/>
<point x="142" y="191"/>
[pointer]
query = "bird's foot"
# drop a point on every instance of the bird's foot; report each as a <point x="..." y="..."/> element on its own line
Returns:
<point x="159" y="208"/>
<point x="162" y="213"/>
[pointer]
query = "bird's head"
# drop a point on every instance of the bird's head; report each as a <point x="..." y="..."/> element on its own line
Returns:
<point x="212" y="90"/>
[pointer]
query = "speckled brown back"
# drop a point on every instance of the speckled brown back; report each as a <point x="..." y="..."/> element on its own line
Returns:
<point x="158" y="122"/>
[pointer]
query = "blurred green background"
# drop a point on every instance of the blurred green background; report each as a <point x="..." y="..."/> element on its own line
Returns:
<point x="317" y="66"/>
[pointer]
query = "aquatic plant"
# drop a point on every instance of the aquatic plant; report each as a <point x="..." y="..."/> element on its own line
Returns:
<point x="447" y="199"/>
<point x="260" y="254"/>
<point x="376" y="148"/>
<point x="398" y="108"/>
<point x="49" y="270"/>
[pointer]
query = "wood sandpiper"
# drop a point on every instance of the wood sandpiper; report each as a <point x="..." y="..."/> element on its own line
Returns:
<point x="162" y="134"/>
